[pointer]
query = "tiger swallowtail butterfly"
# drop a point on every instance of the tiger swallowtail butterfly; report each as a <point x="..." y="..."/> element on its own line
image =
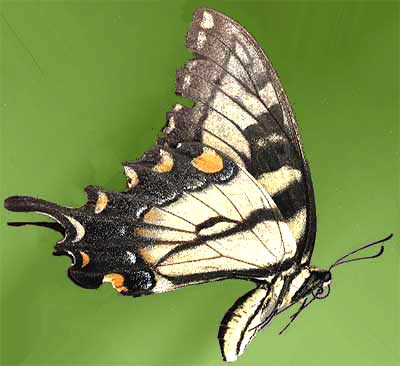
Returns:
<point x="226" y="193"/>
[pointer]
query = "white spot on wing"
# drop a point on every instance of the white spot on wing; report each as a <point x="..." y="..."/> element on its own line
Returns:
<point x="186" y="82"/>
<point x="80" y="230"/>
<point x="275" y="138"/>
<point x="201" y="39"/>
<point x="72" y="257"/>
<point x="171" y="125"/>
<point x="131" y="257"/>
<point x="268" y="95"/>
<point x="208" y="21"/>
<point x="178" y="107"/>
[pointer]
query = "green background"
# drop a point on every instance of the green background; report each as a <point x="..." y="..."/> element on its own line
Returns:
<point x="85" y="85"/>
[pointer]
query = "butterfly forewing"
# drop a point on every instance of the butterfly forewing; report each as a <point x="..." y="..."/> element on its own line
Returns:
<point x="241" y="109"/>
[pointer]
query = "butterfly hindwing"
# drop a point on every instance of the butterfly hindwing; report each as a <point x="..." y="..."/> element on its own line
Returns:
<point x="211" y="219"/>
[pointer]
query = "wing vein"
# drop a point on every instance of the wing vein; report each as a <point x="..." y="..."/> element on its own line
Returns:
<point x="242" y="107"/>
<point x="223" y="141"/>
<point x="204" y="203"/>
<point x="269" y="206"/>
<point x="235" y="259"/>
<point x="176" y="215"/>
<point x="243" y="219"/>
<point x="233" y="53"/>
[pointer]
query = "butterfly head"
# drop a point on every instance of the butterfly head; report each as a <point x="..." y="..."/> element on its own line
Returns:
<point x="97" y="241"/>
<point x="314" y="282"/>
<point x="320" y="281"/>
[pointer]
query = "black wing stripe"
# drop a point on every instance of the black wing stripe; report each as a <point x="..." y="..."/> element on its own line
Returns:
<point x="243" y="218"/>
<point x="165" y="227"/>
<point x="290" y="208"/>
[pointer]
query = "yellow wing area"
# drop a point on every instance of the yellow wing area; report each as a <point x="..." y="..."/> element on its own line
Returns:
<point x="238" y="236"/>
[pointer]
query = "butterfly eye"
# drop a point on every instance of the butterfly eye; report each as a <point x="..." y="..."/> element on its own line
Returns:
<point x="322" y="292"/>
<point x="327" y="276"/>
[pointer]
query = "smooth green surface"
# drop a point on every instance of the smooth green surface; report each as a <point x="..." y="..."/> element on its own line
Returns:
<point x="85" y="85"/>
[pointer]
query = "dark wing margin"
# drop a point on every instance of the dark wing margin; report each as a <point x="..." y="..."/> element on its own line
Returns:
<point x="241" y="109"/>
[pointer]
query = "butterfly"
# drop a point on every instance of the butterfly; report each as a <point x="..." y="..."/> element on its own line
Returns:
<point x="226" y="193"/>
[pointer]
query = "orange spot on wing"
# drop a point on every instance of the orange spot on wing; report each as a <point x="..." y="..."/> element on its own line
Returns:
<point x="151" y="216"/>
<point x="101" y="203"/>
<point x="140" y="231"/>
<point x="133" y="179"/>
<point x="85" y="259"/>
<point x="117" y="280"/>
<point x="166" y="163"/>
<point x="208" y="162"/>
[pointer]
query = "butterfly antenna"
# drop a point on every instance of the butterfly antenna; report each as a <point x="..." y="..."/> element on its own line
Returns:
<point x="343" y="259"/>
